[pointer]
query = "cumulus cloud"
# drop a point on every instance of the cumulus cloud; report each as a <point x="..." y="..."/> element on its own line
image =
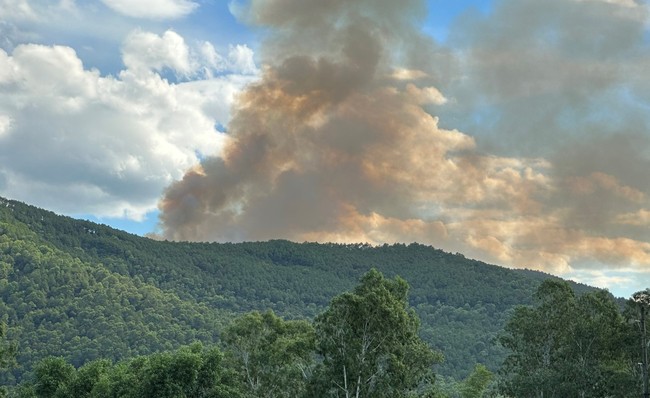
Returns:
<point x="145" y="51"/>
<point x="153" y="9"/>
<point x="75" y="141"/>
<point x="240" y="58"/>
<point x="350" y="134"/>
<point x="13" y="13"/>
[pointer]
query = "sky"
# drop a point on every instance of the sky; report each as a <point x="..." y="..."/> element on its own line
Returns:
<point x="516" y="132"/>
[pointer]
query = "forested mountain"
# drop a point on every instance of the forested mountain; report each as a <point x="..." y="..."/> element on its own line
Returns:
<point x="86" y="291"/>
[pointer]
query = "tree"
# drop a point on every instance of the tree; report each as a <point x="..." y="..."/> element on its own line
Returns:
<point x="566" y="346"/>
<point x="274" y="356"/>
<point x="88" y="376"/>
<point x="7" y="350"/>
<point x="476" y="383"/>
<point x="369" y="343"/>
<point x="641" y="300"/>
<point x="598" y="360"/>
<point x="7" y="354"/>
<point x="53" y="376"/>
<point x="190" y="371"/>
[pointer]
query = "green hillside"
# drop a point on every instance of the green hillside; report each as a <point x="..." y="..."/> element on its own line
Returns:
<point x="85" y="291"/>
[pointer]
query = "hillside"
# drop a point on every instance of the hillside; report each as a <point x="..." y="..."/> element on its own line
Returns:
<point x="84" y="291"/>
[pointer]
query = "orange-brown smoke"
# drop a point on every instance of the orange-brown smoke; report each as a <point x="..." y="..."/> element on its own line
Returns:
<point x="338" y="142"/>
<point x="334" y="131"/>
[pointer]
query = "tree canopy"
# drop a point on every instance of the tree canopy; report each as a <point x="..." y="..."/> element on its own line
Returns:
<point x="569" y="346"/>
<point x="189" y="372"/>
<point x="369" y="342"/>
<point x="274" y="357"/>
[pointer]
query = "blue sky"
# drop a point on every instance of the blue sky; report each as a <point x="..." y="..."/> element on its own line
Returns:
<point x="518" y="132"/>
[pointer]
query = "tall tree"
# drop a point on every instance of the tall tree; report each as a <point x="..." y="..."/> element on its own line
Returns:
<point x="369" y="343"/>
<point x="475" y="385"/>
<point x="567" y="346"/>
<point x="641" y="301"/>
<point x="274" y="356"/>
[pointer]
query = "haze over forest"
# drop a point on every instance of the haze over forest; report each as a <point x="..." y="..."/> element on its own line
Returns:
<point x="513" y="131"/>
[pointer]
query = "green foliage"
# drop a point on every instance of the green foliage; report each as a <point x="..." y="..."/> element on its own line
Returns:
<point x="274" y="357"/>
<point x="568" y="346"/>
<point x="53" y="375"/>
<point x="190" y="372"/>
<point x="59" y="305"/>
<point x="7" y="349"/>
<point x="7" y="355"/>
<point x="92" y="374"/>
<point x="86" y="291"/>
<point x="476" y="385"/>
<point x="369" y="343"/>
<point x="370" y="336"/>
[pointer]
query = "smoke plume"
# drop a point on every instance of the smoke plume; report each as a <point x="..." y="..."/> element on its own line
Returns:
<point x="338" y="140"/>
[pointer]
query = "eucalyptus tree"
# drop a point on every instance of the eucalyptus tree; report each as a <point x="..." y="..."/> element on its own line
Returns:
<point x="567" y="346"/>
<point x="641" y="300"/>
<point x="274" y="357"/>
<point x="369" y="343"/>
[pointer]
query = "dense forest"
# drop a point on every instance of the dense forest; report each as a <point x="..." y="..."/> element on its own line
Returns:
<point x="95" y="296"/>
<point x="367" y="344"/>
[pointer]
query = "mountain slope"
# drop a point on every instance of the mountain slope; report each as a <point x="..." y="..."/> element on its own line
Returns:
<point x="83" y="290"/>
<point x="57" y="304"/>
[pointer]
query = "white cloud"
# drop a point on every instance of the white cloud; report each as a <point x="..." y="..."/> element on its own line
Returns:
<point x="621" y="283"/>
<point x="5" y="125"/>
<point x="426" y="95"/>
<point x="152" y="9"/>
<point x="145" y="51"/>
<point x="240" y="59"/>
<point x="74" y="141"/>
<point x="16" y="9"/>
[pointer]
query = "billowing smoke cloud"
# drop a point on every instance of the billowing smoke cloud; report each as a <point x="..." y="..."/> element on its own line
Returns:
<point x="566" y="80"/>
<point x="339" y="140"/>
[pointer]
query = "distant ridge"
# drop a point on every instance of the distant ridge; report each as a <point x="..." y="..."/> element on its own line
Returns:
<point x="84" y="290"/>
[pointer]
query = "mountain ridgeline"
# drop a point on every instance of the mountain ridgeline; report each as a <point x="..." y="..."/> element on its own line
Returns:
<point x="86" y="291"/>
